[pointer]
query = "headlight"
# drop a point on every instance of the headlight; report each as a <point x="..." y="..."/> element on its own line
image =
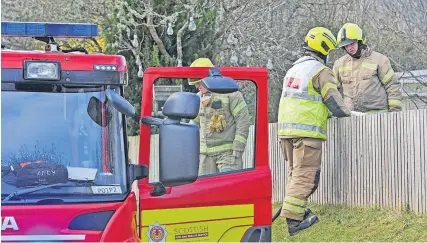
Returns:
<point x="42" y="70"/>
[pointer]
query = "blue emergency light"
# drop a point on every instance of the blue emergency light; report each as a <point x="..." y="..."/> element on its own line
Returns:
<point x="39" y="29"/>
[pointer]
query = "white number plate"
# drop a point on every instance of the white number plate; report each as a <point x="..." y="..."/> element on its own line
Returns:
<point x="107" y="189"/>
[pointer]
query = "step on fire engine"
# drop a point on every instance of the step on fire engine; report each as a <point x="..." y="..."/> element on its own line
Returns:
<point x="66" y="175"/>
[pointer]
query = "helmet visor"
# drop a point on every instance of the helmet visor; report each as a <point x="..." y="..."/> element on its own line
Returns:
<point x="345" y="43"/>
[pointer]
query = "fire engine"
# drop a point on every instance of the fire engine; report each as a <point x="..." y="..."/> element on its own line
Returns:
<point x="66" y="174"/>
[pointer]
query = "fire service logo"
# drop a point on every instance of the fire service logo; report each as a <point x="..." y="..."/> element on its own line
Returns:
<point x="157" y="233"/>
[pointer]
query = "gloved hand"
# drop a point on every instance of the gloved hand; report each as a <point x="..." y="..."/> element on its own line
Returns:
<point x="237" y="154"/>
<point x="356" y="113"/>
<point x="217" y="123"/>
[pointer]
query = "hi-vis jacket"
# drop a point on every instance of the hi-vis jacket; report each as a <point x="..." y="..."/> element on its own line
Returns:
<point x="368" y="83"/>
<point x="309" y="90"/>
<point x="235" y="112"/>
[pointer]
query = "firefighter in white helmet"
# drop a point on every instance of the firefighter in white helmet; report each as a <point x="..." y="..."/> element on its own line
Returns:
<point x="309" y="90"/>
<point x="368" y="81"/>
<point x="224" y="126"/>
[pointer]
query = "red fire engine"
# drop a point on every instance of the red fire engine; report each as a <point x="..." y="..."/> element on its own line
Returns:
<point x="66" y="174"/>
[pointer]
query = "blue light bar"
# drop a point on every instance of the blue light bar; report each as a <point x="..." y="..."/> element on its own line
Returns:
<point x="35" y="29"/>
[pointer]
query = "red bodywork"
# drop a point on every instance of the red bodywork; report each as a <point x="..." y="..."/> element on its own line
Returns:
<point x="69" y="62"/>
<point x="52" y="221"/>
<point x="253" y="186"/>
<point x="250" y="186"/>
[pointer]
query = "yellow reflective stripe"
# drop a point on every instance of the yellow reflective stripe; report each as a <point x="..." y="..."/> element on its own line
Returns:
<point x="393" y="102"/>
<point x="293" y="209"/>
<point x="371" y="66"/>
<point x="336" y="78"/>
<point x="222" y="98"/>
<point x="240" y="138"/>
<point x="216" y="149"/>
<point x="295" y="201"/>
<point x="194" y="81"/>
<point x="304" y="127"/>
<point x="326" y="87"/>
<point x="300" y="95"/>
<point x="388" y="76"/>
<point x="344" y="69"/>
<point x="238" y="108"/>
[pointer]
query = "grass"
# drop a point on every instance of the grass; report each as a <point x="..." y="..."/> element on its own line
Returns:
<point x="345" y="224"/>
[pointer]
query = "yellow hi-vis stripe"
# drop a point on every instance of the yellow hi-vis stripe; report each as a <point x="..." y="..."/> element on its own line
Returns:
<point x="216" y="149"/>
<point x="370" y="66"/>
<point x="240" y="138"/>
<point x="326" y="87"/>
<point x="293" y="209"/>
<point x="238" y="108"/>
<point x="394" y="102"/>
<point x="344" y="69"/>
<point x="388" y="76"/>
<point x="295" y="201"/>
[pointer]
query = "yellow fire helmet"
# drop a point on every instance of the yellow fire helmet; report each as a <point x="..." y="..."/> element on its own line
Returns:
<point x="200" y="62"/>
<point x="320" y="39"/>
<point x="349" y="34"/>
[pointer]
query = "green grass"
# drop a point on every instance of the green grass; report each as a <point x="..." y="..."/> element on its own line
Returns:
<point x="341" y="223"/>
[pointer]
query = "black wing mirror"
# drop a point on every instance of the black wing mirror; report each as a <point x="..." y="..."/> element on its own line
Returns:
<point x="216" y="83"/>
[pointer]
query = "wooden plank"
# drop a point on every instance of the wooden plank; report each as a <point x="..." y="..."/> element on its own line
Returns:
<point x="389" y="162"/>
<point x="404" y="159"/>
<point x="359" y="164"/>
<point x="424" y="162"/>
<point x="392" y="156"/>
<point x="354" y="162"/>
<point x="406" y="169"/>
<point x="417" y="161"/>
<point x="375" y="183"/>
<point x="370" y="161"/>
<point x="397" y="155"/>
<point x="382" y="160"/>
<point x="395" y="150"/>
<point x="364" y="177"/>
<point x="410" y="130"/>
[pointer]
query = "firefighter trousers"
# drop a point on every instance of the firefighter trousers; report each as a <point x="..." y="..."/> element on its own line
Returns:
<point x="304" y="159"/>
<point x="225" y="161"/>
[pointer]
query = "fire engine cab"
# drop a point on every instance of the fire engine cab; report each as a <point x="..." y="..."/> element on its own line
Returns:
<point x="66" y="174"/>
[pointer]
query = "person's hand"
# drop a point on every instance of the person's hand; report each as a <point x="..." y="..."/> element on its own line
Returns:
<point x="237" y="154"/>
<point x="356" y="113"/>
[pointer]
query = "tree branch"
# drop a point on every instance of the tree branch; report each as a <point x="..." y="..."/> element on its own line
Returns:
<point x="179" y="42"/>
<point x="155" y="36"/>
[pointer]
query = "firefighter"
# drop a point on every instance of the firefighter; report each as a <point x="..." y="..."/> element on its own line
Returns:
<point x="224" y="126"/>
<point x="368" y="81"/>
<point x="309" y="90"/>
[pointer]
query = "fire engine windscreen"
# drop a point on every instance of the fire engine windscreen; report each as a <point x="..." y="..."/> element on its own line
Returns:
<point x="56" y="128"/>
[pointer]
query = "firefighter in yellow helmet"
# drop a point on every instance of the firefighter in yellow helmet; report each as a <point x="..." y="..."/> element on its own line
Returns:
<point x="309" y="90"/>
<point x="224" y="126"/>
<point x="366" y="78"/>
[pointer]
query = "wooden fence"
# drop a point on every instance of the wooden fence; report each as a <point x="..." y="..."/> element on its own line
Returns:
<point x="371" y="160"/>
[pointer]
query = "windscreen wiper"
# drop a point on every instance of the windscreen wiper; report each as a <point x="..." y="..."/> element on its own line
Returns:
<point x="34" y="189"/>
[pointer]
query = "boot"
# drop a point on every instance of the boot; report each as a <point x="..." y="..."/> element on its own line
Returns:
<point x="308" y="213"/>
<point x="296" y="226"/>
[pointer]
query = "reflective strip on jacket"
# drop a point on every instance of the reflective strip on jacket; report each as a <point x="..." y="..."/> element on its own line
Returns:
<point x="302" y="112"/>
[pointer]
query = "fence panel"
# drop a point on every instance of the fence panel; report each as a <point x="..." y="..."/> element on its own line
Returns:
<point x="372" y="160"/>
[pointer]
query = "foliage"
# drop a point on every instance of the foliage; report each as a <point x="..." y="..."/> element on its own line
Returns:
<point x="355" y="224"/>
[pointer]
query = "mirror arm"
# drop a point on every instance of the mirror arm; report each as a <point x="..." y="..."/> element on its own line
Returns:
<point x="137" y="172"/>
<point x="151" y="121"/>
